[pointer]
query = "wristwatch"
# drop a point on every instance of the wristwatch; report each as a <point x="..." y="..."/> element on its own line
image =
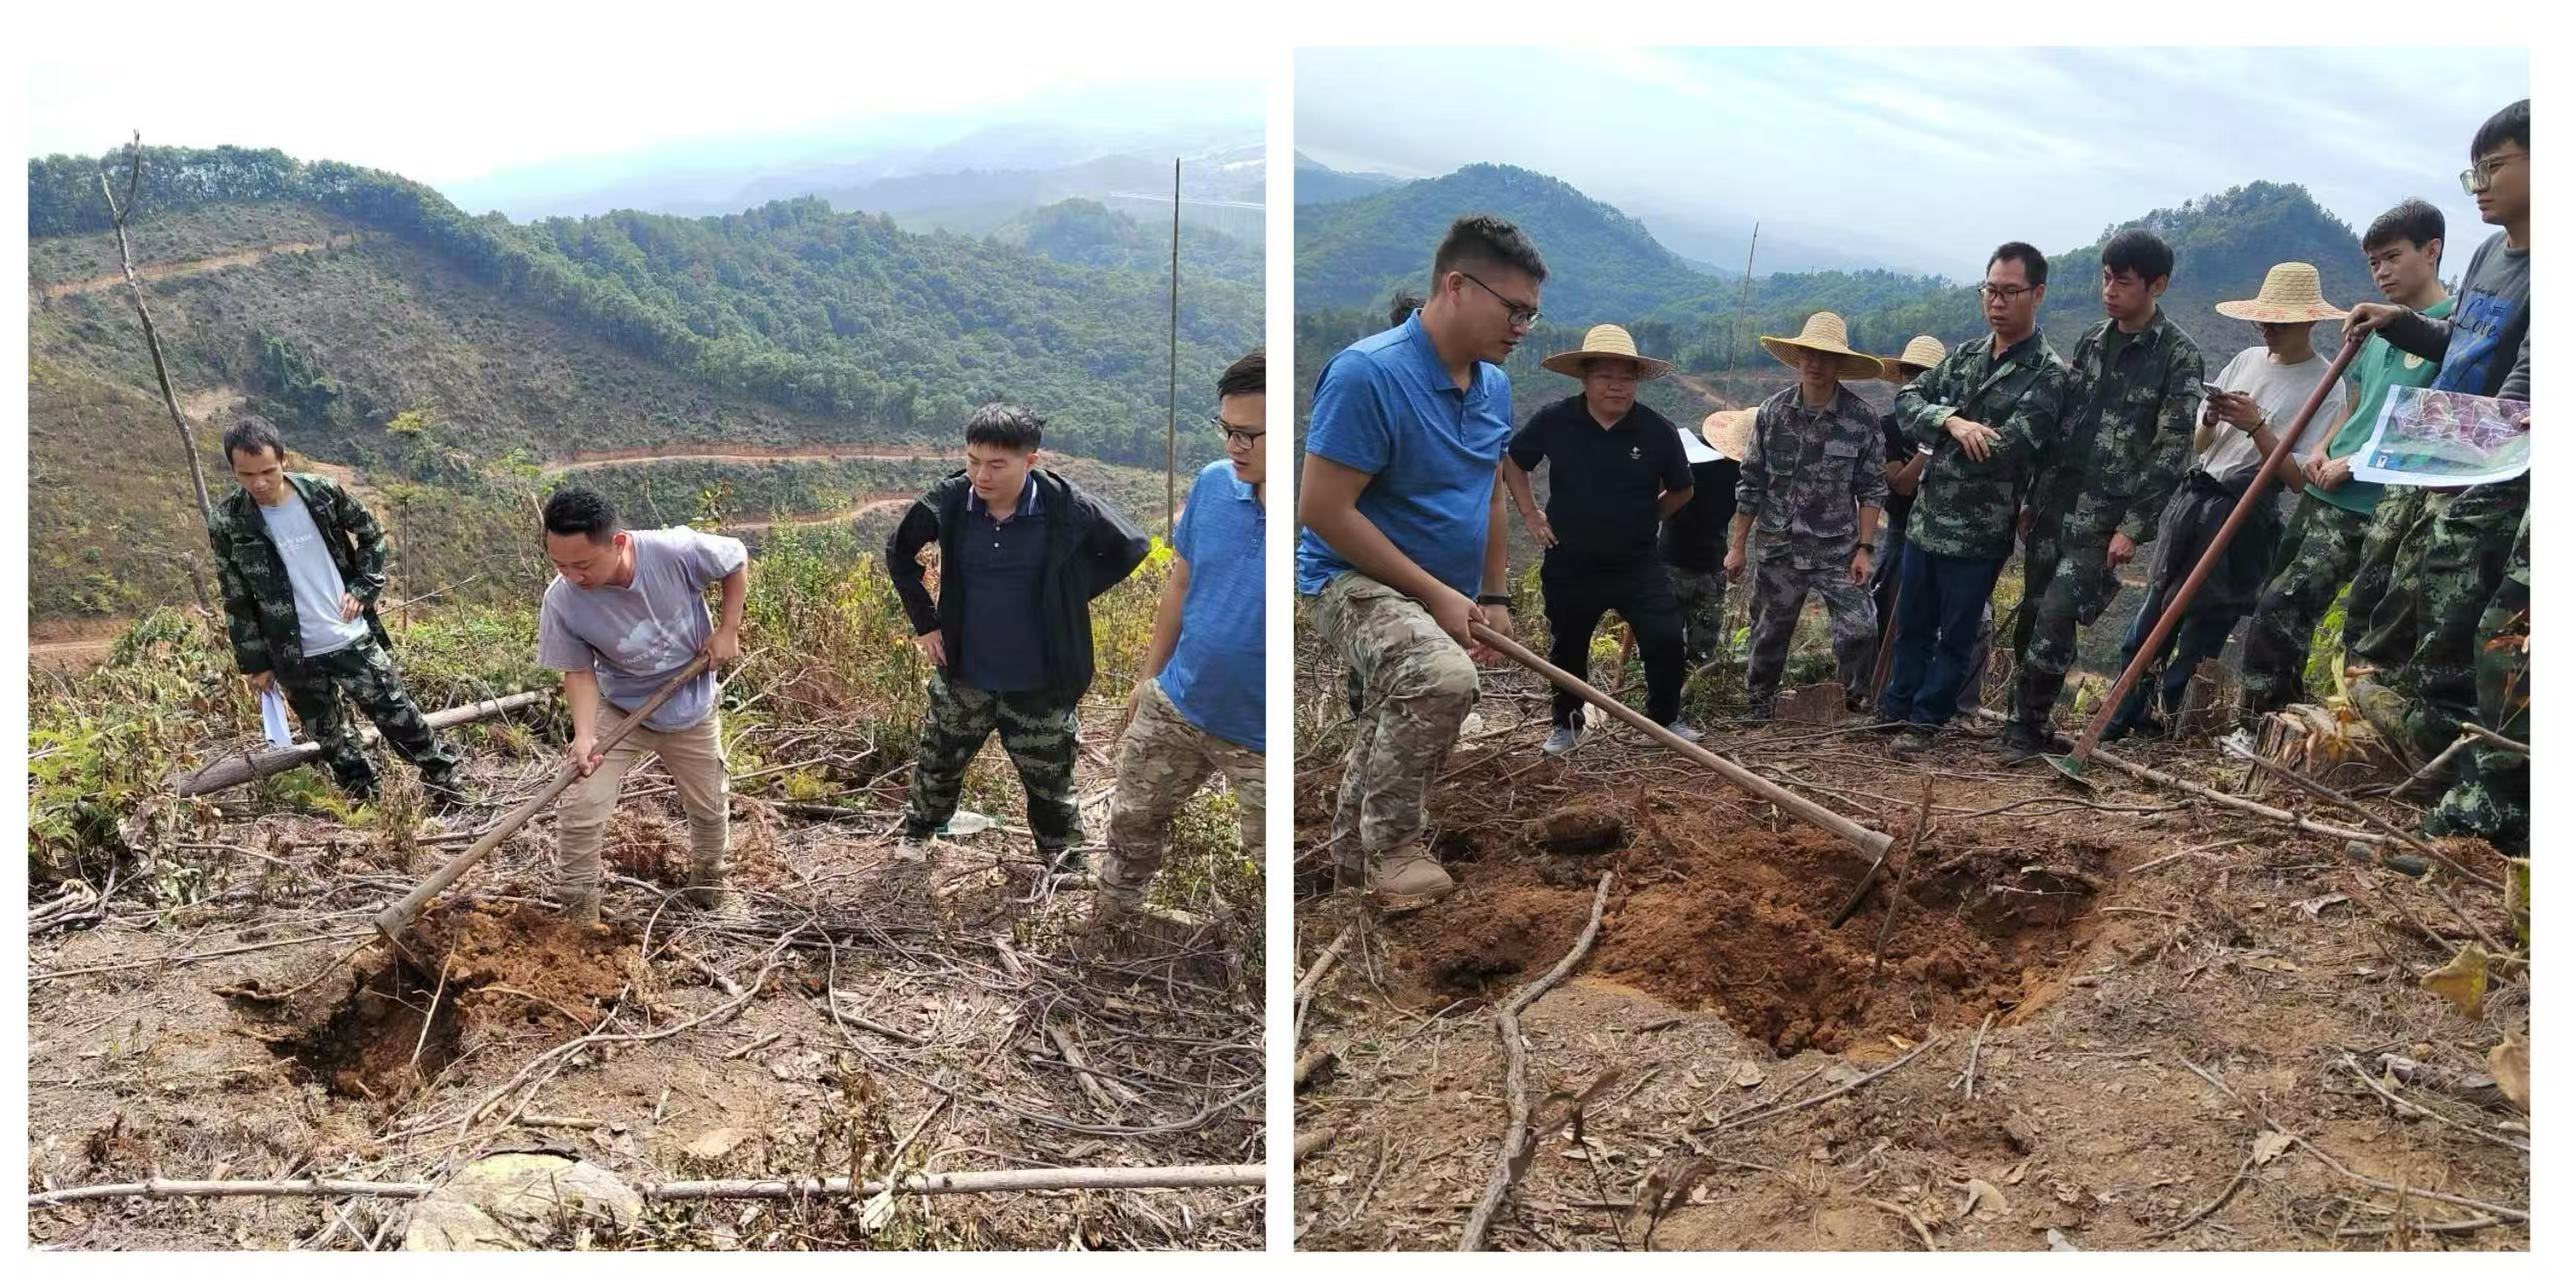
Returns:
<point x="1492" y="601"/>
<point x="1863" y="545"/>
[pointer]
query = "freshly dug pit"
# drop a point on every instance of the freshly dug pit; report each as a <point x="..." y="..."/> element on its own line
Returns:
<point x="1713" y="913"/>
<point x="457" y="969"/>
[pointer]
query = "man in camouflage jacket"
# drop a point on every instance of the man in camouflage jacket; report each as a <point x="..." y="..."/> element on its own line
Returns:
<point x="1811" y="489"/>
<point x="2134" y="390"/>
<point x="1981" y="421"/>
<point x="269" y="639"/>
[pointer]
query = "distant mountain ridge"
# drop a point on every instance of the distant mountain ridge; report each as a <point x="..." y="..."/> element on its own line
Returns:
<point x="1351" y="255"/>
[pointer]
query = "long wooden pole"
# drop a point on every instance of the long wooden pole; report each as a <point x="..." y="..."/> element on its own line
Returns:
<point x="1171" y="414"/>
<point x="2210" y="556"/>
<point x="1872" y="843"/>
<point x="394" y="920"/>
<point x="150" y="332"/>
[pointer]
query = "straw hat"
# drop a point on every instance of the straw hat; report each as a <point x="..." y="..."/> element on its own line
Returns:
<point x="2290" y="295"/>
<point x="1923" y="353"/>
<point x="1824" y="331"/>
<point x="1606" y="341"/>
<point x="1729" y="431"/>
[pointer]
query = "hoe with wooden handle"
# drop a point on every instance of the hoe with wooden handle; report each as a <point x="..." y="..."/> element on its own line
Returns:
<point x="395" y="920"/>
<point x="2073" y="765"/>
<point x="1872" y="843"/>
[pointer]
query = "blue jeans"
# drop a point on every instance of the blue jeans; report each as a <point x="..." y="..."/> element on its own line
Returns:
<point x="1940" y="599"/>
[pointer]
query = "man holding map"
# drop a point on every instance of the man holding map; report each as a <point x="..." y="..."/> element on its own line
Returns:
<point x="2424" y="645"/>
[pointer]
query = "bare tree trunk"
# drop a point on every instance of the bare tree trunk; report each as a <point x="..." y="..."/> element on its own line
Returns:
<point x="151" y="336"/>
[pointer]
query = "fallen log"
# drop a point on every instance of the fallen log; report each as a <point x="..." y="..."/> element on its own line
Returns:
<point x="1872" y="843"/>
<point x="1022" y="1180"/>
<point x="240" y="769"/>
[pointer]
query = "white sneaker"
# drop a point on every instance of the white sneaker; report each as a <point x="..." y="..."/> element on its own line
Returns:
<point x="915" y="850"/>
<point x="1685" y="733"/>
<point x="1562" y="741"/>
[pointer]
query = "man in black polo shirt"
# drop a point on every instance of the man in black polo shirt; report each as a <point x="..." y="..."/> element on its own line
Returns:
<point x="1618" y="469"/>
<point x="1023" y="553"/>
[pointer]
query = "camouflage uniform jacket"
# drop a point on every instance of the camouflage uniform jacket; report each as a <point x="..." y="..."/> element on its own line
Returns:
<point x="1807" y="471"/>
<point x="1966" y="508"/>
<point x="2125" y="435"/>
<point x="266" y="630"/>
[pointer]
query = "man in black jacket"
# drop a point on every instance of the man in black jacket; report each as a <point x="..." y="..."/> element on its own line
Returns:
<point x="1023" y="554"/>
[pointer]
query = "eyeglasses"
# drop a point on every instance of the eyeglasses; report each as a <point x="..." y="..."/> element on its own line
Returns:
<point x="1236" y="437"/>
<point x="2006" y="292"/>
<point x="1520" y="316"/>
<point x="2477" y="179"/>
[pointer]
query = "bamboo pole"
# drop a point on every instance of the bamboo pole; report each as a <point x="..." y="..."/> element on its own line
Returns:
<point x="1021" y="1180"/>
<point x="2210" y="556"/>
<point x="395" y="919"/>
<point x="1171" y="412"/>
<point x="1872" y="843"/>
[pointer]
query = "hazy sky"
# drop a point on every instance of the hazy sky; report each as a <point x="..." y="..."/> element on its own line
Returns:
<point x="446" y="99"/>
<point x="1921" y="157"/>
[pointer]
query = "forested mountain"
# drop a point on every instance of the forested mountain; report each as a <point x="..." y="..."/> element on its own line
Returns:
<point x="458" y="361"/>
<point x="1087" y="233"/>
<point x="1606" y="267"/>
<point x="1319" y="183"/>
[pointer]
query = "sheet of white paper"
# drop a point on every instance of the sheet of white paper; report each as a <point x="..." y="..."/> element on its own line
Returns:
<point x="1697" y="451"/>
<point x="271" y="704"/>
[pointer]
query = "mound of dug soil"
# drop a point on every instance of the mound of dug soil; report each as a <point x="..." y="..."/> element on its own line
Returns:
<point x="1713" y="913"/>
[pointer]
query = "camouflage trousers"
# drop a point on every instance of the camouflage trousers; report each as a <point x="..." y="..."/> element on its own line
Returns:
<point x="1162" y="759"/>
<point x="1700" y="609"/>
<point x="2318" y="554"/>
<point x="2067" y="585"/>
<point x="1418" y="685"/>
<point x="2457" y="576"/>
<point x="698" y="765"/>
<point x="2490" y="799"/>
<point x="1782" y="578"/>
<point x="2379" y="630"/>
<point x="318" y="691"/>
<point x="1038" y="731"/>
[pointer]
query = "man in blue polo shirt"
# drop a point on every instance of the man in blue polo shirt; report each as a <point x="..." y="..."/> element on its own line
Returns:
<point x="1399" y="543"/>
<point x="1200" y="707"/>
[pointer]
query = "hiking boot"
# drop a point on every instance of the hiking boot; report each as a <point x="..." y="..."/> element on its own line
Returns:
<point x="445" y="795"/>
<point x="2021" y="745"/>
<point x="1684" y="731"/>
<point x="581" y="907"/>
<point x="706" y="889"/>
<point x="912" y="849"/>
<point x="1912" y="742"/>
<point x="1407" y="878"/>
<point x="1760" y="713"/>
<point x="1565" y="738"/>
<point x="2144" y="725"/>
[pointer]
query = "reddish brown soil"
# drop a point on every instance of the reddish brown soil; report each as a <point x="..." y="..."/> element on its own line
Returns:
<point x="1712" y="913"/>
<point x="403" y="1015"/>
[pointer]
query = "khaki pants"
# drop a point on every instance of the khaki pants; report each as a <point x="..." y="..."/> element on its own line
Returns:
<point x="699" y="767"/>
<point x="1162" y="760"/>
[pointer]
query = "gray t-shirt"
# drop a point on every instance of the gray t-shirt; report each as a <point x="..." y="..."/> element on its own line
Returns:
<point x="2280" y="390"/>
<point x="317" y="585"/>
<point x="634" y="637"/>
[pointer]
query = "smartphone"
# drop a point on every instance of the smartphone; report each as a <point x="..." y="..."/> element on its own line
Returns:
<point x="2212" y="390"/>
